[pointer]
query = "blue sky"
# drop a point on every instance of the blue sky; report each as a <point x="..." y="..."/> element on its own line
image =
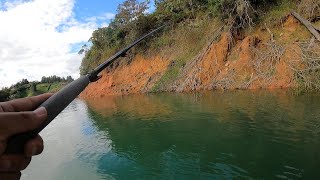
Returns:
<point x="42" y="37"/>
<point x="85" y="9"/>
<point x="89" y="8"/>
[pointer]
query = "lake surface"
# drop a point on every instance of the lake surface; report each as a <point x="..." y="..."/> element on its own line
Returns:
<point x="211" y="135"/>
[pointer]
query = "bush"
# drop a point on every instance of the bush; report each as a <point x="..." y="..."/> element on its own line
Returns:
<point x="4" y="94"/>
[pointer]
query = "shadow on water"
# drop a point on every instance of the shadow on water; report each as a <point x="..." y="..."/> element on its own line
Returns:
<point x="237" y="134"/>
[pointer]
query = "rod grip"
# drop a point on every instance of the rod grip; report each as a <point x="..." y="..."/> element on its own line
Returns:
<point x="54" y="105"/>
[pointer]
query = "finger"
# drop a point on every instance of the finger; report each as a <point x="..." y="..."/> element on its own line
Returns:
<point x="3" y="145"/>
<point x="14" y="163"/>
<point x="24" y="104"/>
<point x="18" y="122"/>
<point x="10" y="176"/>
<point x="33" y="147"/>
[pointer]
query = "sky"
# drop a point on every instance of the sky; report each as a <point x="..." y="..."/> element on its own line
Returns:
<point x="42" y="37"/>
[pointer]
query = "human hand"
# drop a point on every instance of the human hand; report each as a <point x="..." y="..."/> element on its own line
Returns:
<point x="18" y="116"/>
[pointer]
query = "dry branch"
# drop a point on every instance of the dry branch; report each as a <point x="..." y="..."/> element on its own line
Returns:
<point x="270" y="32"/>
<point x="309" y="26"/>
<point x="306" y="65"/>
<point x="224" y="83"/>
<point x="310" y="9"/>
<point x="265" y="61"/>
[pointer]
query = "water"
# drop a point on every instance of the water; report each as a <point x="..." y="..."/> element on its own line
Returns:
<point x="212" y="135"/>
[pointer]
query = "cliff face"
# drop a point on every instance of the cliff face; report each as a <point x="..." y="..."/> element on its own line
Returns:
<point x="138" y="76"/>
<point x="253" y="62"/>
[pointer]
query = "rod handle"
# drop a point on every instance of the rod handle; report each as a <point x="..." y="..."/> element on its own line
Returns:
<point x="54" y="105"/>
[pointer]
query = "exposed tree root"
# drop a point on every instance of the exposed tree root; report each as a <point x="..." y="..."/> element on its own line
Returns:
<point x="265" y="61"/>
<point x="307" y="65"/>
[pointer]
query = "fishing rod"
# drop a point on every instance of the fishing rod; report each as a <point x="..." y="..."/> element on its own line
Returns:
<point x="60" y="100"/>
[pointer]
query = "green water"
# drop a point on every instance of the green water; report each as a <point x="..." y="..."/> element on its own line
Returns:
<point x="212" y="135"/>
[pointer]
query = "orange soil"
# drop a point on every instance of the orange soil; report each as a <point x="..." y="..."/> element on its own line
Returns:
<point x="213" y="60"/>
<point x="218" y="63"/>
<point x="133" y="78"/>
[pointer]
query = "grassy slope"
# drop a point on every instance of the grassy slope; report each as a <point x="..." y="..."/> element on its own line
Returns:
<point x="188" y="41"/>
<point x="41" y="88"/>
<point x="193" y="44"/>
<point x="183" y="44"/>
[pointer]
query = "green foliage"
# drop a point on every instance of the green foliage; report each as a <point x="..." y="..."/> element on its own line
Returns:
<point x="129" y="23"/>
<point x="4" y="94"/>
<point x="129" y="11"/>
<point x="54" y="78"/>
<point x="24" y="88"/>
<point x="175" y="11"/>
<point x="19" y="90"/>
<point x="173" y="71"/>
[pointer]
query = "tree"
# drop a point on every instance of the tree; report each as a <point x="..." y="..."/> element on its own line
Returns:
<point x="178" y="10"/>
<point x="4" y="94"/>
<point x="84" y="49"/>
<point x="43" y="79"/>
<point x="129" y="11"/>
<point x="121" y="30"/>
<point x="24" y="81"/>
<point x="54" y="78"/>
<point x="69" y="79"/>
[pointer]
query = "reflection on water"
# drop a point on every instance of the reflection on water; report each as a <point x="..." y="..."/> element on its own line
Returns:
<point x="212" y="135"/>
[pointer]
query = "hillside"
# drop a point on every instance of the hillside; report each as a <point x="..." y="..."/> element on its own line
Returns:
<point x="251" y="49"/>
<point x="24" y="88"/>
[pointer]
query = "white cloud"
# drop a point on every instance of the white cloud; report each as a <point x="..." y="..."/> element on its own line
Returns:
<point x="36" y="39"/>
<point x="103" y="17"/>
<point x="107" y="16"/>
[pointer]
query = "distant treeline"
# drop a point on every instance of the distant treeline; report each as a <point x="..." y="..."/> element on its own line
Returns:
<point x="54" y="78"/>
<point x="26" y="88"/>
